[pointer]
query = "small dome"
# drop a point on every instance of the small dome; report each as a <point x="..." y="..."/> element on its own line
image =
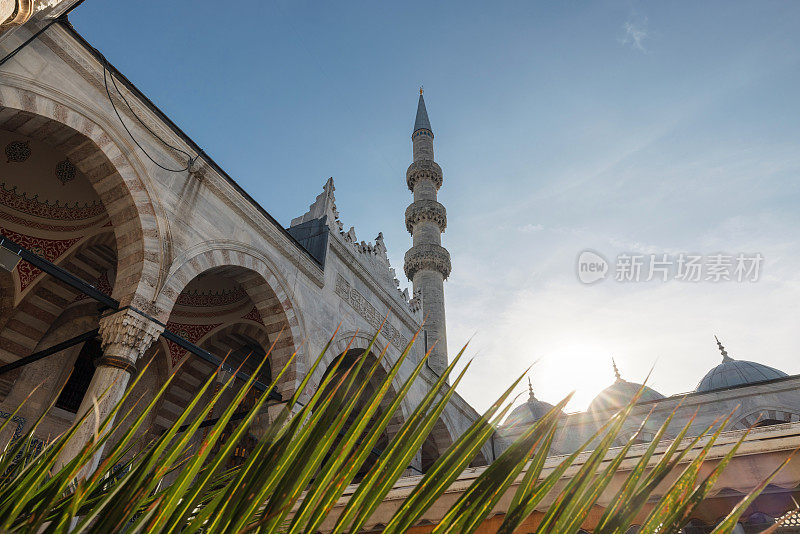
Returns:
<point x="732" y="373"/>
<point x="529" y="412"/>
<point x="619" y="394"/>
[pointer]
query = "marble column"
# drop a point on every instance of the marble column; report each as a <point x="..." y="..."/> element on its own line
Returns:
<point x="125" y="336"/>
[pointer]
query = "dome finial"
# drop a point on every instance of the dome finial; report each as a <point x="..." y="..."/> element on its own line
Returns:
<point x="725" y="357"/>
<point x="616" y="371"/>
<point x="530" y="390"/>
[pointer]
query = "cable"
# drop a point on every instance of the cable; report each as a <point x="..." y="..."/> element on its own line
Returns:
<point x="114" y="82"/>
<point x="106" y="71"/>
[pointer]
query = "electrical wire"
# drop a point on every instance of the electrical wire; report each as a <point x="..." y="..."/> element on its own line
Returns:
<point x="191" y="159"/>
<point x="106" y="70"/>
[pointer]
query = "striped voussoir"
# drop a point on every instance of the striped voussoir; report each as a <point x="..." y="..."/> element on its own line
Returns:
<point x="766" y="414"/>
<point x="264" y="289"/>
<point x="94" y="152"/>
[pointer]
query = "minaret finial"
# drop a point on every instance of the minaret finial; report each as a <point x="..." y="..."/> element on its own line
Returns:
<point x="420" y="90"/>
<point x="616" y="371"/>
<point x="725" y="357"/>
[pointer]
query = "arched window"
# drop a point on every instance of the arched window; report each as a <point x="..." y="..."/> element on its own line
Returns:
<point x="80" y="378"/>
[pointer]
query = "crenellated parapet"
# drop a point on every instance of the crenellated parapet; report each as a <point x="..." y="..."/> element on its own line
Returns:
<point x="427" y="257"/>
<point x="426" y="210"/>
<point x="324" y="206"/>
<point x="424" y="169"/>
<point x="372" y="256"/>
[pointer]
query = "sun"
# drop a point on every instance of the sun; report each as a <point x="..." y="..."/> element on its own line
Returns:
<point x="582" y="368"/>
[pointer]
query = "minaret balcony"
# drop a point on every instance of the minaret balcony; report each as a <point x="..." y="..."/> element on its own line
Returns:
<point x="424" y="169"/>
<point x="427" y="257"/>
<point x="425" y="210"/>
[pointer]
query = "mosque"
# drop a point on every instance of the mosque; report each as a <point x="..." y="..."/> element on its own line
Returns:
<point x="122" y="241"/>
<point x="757" y="395"/>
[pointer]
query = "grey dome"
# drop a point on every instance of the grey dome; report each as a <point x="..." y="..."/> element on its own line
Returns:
<point x="619" y="394"/>
<point x="530" y="411"/>
<point x="732" y="373"/>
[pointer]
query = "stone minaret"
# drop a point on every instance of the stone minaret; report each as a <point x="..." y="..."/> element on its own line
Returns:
<point x="427" y="263"/>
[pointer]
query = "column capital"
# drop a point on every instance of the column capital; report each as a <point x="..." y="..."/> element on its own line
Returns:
<point x="125" y="336"/>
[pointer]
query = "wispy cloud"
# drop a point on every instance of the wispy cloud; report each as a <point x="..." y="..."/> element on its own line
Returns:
<point x="635" y="34"/>
<point x="531" y="228"/>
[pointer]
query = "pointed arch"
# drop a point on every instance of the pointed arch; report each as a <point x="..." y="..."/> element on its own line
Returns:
<point x="361" y="341"/>
<point x="49" y="304"/>
<point x="263" y="285"/>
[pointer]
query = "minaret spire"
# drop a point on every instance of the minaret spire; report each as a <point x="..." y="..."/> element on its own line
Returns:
<point x="427" y="263"/>
<point x="422" y="122"/>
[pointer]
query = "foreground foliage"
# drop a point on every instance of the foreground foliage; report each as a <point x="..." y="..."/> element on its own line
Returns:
<point x="311" y="452"/>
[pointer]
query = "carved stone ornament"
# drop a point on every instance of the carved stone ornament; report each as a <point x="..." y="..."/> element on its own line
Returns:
<point x="18" y="151"/>
<point x="426" y="210"/>
<point x="427" y="257"/>
<point x="15" y="12"/>
<point x="127" y="335"/>
<point x="424" y="169"/>
<point x="65" y="171"/>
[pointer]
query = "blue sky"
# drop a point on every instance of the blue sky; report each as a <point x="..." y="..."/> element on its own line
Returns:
<point x="622" y="127"/>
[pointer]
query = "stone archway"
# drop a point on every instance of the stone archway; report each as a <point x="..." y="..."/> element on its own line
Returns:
<point x="217" y="311"/>
<point x="92" y="151"/>
<point x="262" y="286"/>
<point x="239" y="343"/>
<point x="435" y="444"/>
<point x="341" y="365"/>
<point x="352" y="340"/>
